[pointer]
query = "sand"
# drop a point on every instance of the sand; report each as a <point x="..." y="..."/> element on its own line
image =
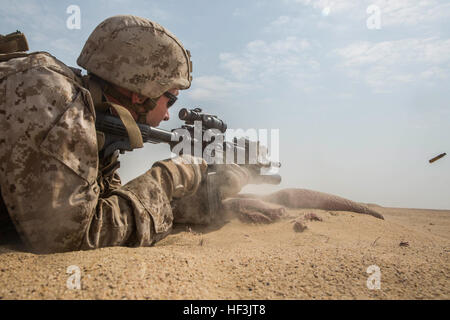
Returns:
<point x="328" y="260"/>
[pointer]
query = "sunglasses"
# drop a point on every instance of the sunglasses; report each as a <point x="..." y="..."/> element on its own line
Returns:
<point x="172" y="98"/>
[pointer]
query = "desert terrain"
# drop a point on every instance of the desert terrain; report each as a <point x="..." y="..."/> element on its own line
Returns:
<point x="236" y="260"/>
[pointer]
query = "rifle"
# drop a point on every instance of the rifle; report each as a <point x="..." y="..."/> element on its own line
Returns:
<point x="246" y="153"/>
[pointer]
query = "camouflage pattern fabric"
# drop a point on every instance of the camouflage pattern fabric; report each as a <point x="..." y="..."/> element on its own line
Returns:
<point x="58" y="195"/>
<point x="137" y="54"/>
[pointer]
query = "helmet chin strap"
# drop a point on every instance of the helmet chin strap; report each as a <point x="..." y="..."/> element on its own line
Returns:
<point x="140" y="109"/>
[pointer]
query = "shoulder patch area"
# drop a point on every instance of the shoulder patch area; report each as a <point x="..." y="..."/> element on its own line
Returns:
<point x="33" y="60"/>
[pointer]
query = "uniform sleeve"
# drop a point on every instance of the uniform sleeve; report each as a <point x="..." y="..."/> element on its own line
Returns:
<point x="136" y="214"/>
<point x="49" y="167"/>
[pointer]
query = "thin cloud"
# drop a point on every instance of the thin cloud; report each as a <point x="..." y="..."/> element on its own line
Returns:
<point x="41" y="23"/>
<point x="389" y="63"/>
<point x="411" y="12"/>
<point x="333" y="5"/>
<point x="430" y="50"/>
<point x="213" y="88"/>
<point x="393" y="13"/>
<point x="260" y="61"/>
<point x="36" y="15"/>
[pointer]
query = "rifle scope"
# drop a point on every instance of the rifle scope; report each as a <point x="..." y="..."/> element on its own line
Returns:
<point x="209" y="121"/>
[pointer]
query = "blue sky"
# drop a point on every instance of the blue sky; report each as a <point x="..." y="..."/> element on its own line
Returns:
<point x="360" y="111"/>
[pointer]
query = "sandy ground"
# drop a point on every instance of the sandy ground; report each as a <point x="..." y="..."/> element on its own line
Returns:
<point x="329" y="260"/>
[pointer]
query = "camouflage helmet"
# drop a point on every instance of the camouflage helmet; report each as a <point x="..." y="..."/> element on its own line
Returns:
<point x="137" y="54"/>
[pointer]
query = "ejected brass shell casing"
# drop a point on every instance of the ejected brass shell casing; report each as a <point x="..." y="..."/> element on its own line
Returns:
<point x="436" y="158"/>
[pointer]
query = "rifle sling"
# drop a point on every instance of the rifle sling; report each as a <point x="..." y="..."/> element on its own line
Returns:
<point x="134" y="134"/>
<point x="96" y="91"/>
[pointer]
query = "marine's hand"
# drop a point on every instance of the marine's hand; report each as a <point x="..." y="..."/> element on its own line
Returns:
<point x="195" y="207"/>
<point x="232" y="178"/>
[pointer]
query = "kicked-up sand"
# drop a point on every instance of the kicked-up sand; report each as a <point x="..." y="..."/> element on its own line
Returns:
<point x="407" y="256"/>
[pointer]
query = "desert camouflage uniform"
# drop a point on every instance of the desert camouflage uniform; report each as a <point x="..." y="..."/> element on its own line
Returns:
<point x="55" y="190"/>
<point x="58" y="195"/>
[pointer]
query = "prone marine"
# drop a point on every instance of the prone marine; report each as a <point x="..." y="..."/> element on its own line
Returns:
<point x="58" y="191"/>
